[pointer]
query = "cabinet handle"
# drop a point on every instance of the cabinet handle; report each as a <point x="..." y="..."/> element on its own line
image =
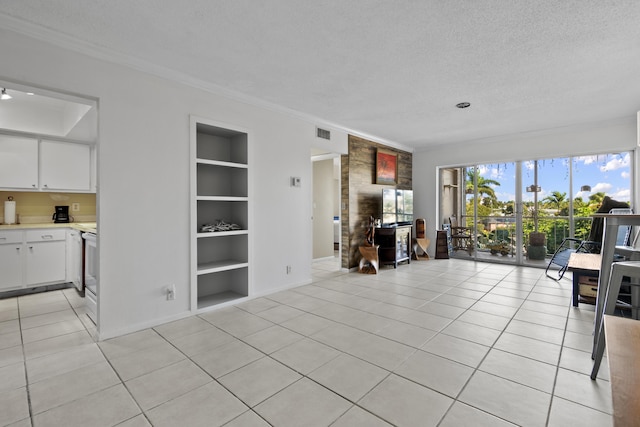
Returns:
<point x="46" y="186"/>
<point x="31" y="247"/>
<point x="18" y="249"/>
<point x="33" y="185"/>
<point x="3" y="238"/>
<point x="47" y="236"/>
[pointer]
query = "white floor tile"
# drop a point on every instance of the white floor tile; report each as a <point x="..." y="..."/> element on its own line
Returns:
<point x="303" y="403"/>
<point x="581" y="389"/>
<point x="405" y="403"/>
<point x="259" y="380"/>
<point x="207" y="405"/>
<point x="348" y="376"/>
<point x="465" y="415"/>
<point x="456" y="349"/>
<point x="305" y="355"/>
<point x="437" y="373"/>
<point x="566" y="413"/>
<point x="520" y="369"/>
<point x="165" y="384"/>
<point x="105" y="408"/>
<point x="505" y="399"/>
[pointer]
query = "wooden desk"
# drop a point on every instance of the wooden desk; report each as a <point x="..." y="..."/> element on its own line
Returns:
<point x="609" y="236"/>
<point x="623" y="346"/>
<point x="582" y="265"/>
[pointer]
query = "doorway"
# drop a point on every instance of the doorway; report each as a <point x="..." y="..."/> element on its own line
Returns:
<point x="326" y="221"/>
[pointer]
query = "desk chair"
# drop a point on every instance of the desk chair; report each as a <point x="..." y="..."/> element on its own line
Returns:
<point x="619" y="270"/>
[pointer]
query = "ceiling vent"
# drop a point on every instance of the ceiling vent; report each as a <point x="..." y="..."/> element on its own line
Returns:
<point x="323" y="133"/>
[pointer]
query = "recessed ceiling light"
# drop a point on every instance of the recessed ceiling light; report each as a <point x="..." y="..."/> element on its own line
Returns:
<point x="29" y="93"/>
<point x="463" y="105"/>
<point x="5" y="96"/>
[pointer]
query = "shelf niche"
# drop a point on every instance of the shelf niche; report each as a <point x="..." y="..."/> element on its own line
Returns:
<point x="219" y="192"/>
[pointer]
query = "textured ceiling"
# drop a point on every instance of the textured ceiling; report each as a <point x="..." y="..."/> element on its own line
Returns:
<point x="390" y="69"/>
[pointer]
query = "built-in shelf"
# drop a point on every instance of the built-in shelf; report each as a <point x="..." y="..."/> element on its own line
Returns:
<point x="219" y="298"/>
<point x="219" y="192"/>
<point x="219" y="163"/>
<point x="221" y="234"/>
<point x="217" y="266"/>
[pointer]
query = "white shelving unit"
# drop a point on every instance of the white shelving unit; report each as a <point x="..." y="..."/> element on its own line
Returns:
<point x="219" y="192"/>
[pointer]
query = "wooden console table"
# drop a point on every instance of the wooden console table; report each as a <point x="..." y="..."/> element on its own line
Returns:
<point x="395" y="244"/>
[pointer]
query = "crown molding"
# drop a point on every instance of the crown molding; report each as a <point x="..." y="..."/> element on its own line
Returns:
<point x="74" y="44"/>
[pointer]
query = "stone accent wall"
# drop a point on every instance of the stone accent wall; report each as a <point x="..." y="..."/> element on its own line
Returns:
<point x="361" y="197"/>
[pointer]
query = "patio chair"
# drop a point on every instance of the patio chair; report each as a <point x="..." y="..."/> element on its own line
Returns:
<point x="460" y="235"/>
<point x="593" y="243"/>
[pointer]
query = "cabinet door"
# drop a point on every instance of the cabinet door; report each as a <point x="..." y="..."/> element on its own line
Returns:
<point x="65" y="166"/>
<point x="10" y="266"/>
<point x="18" y="162"/>
<point x="46" y="262"/>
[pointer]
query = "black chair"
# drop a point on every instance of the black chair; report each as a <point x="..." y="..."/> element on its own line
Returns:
<point x="593" y="244"/>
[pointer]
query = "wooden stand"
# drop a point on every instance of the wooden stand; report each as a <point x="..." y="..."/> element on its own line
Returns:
<point x="369" y="263"/>
<point x="420" y="245"/>
<point x="442" y="245"/>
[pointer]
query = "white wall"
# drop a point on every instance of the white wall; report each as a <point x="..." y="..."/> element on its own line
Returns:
<point x="605" y="137"/>
<point x="143" y="165"/>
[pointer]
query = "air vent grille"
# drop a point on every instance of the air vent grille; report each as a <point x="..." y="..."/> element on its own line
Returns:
<point x="323" y="133"/>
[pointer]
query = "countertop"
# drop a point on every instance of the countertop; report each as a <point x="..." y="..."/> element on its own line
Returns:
<point x="81" y="226"/>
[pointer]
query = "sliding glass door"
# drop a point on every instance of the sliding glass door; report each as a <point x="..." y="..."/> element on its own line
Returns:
<point x="519" y="212"/>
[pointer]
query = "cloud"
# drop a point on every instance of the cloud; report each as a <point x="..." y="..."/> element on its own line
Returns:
<point x="622" y="195"/>
<point x="616" y="162"/>
<point x="601" y="187"/>
<point x="625" y="175"/>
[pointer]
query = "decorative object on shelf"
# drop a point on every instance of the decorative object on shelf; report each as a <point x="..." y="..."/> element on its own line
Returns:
<point x="386" y="167"/>
<point x="220" y="225"/>
<point x="369" y="263"/>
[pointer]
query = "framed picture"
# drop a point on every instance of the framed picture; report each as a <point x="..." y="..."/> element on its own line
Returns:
<point x="386" y="167"/>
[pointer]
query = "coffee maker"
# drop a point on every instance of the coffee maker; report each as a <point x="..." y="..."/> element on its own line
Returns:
<point x="61" y="214"/>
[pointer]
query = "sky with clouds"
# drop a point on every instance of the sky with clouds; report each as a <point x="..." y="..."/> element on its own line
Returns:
<point x="606" y="173"/>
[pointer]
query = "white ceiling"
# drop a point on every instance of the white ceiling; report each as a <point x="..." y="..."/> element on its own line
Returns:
<point x="390" y="69"/>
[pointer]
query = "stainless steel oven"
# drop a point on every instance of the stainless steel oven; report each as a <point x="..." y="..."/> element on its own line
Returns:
<point x="91" y="274"/>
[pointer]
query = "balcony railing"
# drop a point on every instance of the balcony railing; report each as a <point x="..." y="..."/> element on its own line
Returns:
<point x="498" y="233"/>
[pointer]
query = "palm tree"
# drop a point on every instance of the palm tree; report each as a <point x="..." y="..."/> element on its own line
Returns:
<point x="557" y="199"/>
<point x="483" y="184"/>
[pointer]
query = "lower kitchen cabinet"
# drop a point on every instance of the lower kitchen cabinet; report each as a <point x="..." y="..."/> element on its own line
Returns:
<point x="30" y="258"/>
<point x="46" y="257"/>
<point x="11" y="266"/>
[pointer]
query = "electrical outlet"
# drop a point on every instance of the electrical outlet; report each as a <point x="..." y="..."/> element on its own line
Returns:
<point x="171" y="292"/>
<point x="288" y="269"/>
<point x="75" y="207"/>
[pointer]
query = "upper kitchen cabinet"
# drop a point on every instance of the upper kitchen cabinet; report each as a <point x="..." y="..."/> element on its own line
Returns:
<point x="18" y="162"/>
<point x="65" y="166"/>
<point x="47" y="140"/>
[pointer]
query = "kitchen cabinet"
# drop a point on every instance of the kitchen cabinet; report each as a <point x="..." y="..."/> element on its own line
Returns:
<point x="18" y="162"/>
<point x="27" y="163"/>
<point x="11" y="249"/>
<point x="65" y="166"/>
<point x="220" y="213"/>
<point x="32" y="258"/>
<point x="45" y="256"/>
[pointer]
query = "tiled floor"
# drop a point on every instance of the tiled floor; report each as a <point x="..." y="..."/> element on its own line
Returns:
<point x="434" y="343"/>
